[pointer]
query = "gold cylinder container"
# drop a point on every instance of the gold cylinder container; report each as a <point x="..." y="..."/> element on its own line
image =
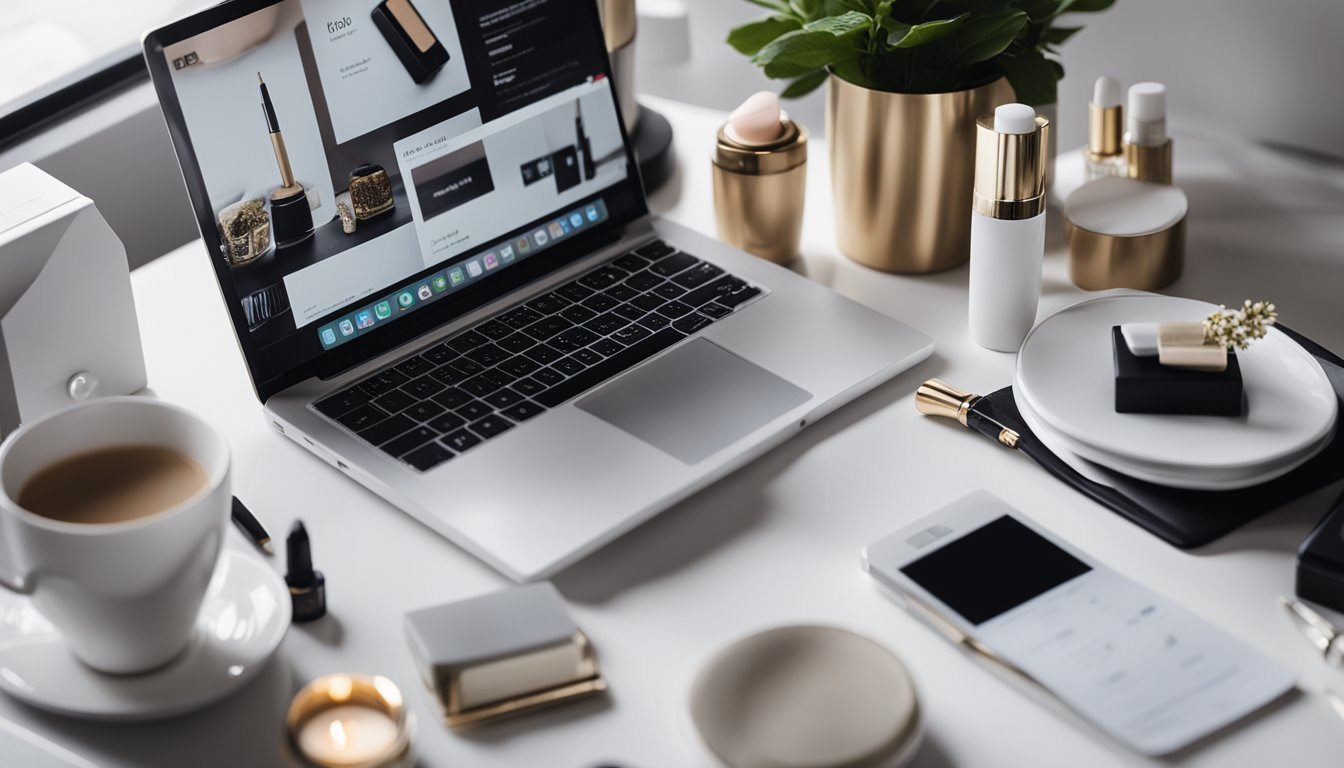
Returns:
<point x="1124" y="233"/>
<point x="759" y="191"/>
<point x="902" y="172"/>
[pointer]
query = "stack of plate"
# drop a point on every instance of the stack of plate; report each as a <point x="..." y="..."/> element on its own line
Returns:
<point x="1065" y="389"/>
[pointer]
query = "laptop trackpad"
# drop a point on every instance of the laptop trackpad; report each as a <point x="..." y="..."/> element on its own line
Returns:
<point x="694" y="401"/>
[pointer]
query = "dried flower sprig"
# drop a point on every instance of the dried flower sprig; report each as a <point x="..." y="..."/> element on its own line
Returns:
<point x="1237" y="328"/>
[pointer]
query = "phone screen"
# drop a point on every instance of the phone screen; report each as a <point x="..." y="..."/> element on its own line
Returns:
<point x="994" y="569"/>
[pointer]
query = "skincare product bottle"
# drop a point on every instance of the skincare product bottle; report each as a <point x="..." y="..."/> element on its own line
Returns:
<point x="1007" y="226"/>
<point x="1147" y="147"/>
<point x="760" y="174"/>
<point x="291" y="214"/>
<point x="1105" y="123"/>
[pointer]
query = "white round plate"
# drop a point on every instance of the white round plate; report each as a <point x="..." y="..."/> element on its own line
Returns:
<point x="1084" y="459"/>
<point x="1066" y="374"/>
<point x="245" y="616"/>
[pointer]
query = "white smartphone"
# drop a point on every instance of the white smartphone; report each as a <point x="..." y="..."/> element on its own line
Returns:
<point x="1144" y="670"/>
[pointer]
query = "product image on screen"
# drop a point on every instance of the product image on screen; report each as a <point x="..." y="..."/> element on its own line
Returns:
<point x="346" y="148"/>
<point x="994" y="569"/>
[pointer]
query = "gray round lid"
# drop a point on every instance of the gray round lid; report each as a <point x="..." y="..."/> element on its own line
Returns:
<point x="805" y="697"/>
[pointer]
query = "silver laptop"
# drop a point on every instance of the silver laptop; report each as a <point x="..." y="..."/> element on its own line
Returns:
<point x="429" y="230"/>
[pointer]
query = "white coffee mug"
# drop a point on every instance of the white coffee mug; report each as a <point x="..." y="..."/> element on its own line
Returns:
<point x="124" y="595"/>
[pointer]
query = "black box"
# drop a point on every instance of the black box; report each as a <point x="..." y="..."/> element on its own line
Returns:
<point x="1320" y="562"/>
<point x="1144" y="385"/>
<point x="416" y="45"/>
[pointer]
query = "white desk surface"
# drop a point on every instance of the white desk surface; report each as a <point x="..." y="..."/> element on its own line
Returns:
<point x="777" y="542"/>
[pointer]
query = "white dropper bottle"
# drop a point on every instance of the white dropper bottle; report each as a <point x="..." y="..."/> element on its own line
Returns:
<point x="1147" y="145"/>
<point x="1007" y="226"/>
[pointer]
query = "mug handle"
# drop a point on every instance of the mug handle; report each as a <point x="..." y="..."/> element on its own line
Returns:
<point x="13" y="582"/>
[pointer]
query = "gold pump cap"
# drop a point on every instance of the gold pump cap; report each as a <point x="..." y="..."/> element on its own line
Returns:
<point x="1010" y="170"/>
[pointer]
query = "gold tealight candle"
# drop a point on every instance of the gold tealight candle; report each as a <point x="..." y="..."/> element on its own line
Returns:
<point x="350" y="721"/>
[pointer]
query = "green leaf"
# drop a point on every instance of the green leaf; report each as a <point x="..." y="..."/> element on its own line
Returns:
<point x="807" y="10"/>
<point x="782" y="6"/>
<point x="1034" y="78"/>
<point x="896" y="31"/>
<point x="837" y="7"/>
<point x="797" y="53"/>
<point x="1057" y="35"/>
<point x="1039" y="9"/>
<point x="1083" y="6"/>
<point x="755" y="35"/>
<point x="804" y="85"/>
<point x="928" y="32"/>
<point x="845" y="24"/>
<point x="982" y="38"/>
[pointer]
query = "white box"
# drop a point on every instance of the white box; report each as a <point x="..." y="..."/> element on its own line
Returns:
<point x="68" y="329"/>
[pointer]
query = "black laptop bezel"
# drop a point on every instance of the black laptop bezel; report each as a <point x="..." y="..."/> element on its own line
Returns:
<point x="625" y="202"/>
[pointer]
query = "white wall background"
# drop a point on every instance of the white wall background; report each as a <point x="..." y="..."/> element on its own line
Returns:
<point x="1268" y="70"/>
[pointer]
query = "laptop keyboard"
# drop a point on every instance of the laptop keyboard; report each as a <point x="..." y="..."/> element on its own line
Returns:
<point x="451" y="397"/>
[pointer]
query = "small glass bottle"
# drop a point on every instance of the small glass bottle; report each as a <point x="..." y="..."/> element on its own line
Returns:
<point x="1104" y="155"/>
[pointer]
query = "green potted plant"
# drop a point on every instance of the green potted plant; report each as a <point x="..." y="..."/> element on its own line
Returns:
<point x="906" y="81"/>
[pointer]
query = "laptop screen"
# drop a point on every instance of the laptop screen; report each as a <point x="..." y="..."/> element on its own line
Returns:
<point x="356" y="163"/>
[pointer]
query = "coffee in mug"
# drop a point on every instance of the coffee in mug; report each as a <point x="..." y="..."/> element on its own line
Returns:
<point x="112" y="516"/>
<point x="113" y="485"/>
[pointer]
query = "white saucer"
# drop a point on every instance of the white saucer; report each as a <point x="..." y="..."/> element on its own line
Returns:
<point x="1085" y="460"/>
<point x="245" y="616"/>
<point x="1065" y="374"/>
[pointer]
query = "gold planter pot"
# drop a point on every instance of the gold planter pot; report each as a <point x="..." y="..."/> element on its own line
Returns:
<point x="902" y="172"/>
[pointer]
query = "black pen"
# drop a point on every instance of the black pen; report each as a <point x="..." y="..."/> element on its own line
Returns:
<point x="250" y="527"/>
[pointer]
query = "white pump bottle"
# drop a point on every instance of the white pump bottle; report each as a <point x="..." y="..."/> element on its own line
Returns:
<point x="1007" y="226"/>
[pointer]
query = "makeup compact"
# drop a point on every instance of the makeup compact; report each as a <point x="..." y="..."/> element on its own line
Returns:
<point x="1125" y="233"/>
<point x="417" y="47"/>
<point x="502" y="654"/>
<point x="807" y="697"/>
<point x="370" y="191"/>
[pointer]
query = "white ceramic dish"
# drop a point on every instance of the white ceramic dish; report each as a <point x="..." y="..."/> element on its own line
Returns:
<point x="1084" y="460"/>
<point x="245" y="616"/>
<point x="1065" y="374"/>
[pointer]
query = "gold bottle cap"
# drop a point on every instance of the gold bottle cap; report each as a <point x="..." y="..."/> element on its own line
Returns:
<point x="783" y="154"/>
<point x="1105" y="126"/>
<point x="1010" y="170"/>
